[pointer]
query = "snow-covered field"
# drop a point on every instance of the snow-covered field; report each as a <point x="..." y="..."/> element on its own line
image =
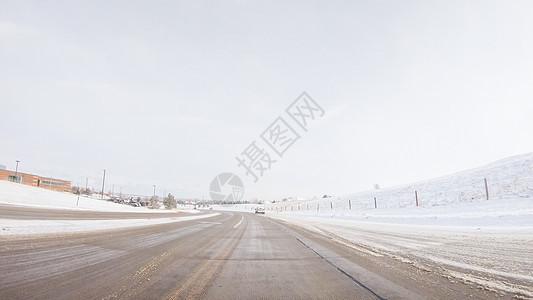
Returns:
<point x="23" y="195"/>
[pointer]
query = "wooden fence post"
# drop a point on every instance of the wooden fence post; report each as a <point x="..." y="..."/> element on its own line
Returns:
<point x="486" y="189"/>
<point x="350" y="204"/>
<point x="416" y="196"/>
<point x="375" y="203"/>
<point x="331" y="205"/>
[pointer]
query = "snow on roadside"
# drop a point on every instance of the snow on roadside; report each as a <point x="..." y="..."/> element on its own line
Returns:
<point x="23" y="195"/>
<point x="23" y="227"/>
<point x="495" y="258"/>
<point x="492" y="213"/>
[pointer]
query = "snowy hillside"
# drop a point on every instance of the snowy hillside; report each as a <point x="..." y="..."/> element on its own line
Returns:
<point x="510" y="188"/>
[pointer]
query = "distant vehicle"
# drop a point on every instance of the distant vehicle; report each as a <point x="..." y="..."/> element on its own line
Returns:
<point x="260" y="211"/>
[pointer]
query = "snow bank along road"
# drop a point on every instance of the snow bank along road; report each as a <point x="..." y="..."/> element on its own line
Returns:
<point x="227" y="256"/>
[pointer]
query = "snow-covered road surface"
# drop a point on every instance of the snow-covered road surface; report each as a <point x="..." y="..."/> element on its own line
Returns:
<point x="229" y="256"/>
<point x="496" y="258"/>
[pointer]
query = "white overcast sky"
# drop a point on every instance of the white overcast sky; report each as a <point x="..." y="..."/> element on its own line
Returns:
<point x="170" y="92"/>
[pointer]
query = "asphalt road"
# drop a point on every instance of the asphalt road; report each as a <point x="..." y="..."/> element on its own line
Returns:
<point x="230" y="256"/>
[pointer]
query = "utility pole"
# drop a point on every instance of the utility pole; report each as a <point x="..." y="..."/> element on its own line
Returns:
<point x="16" y="170"/>
<point x="103" y="184"/>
